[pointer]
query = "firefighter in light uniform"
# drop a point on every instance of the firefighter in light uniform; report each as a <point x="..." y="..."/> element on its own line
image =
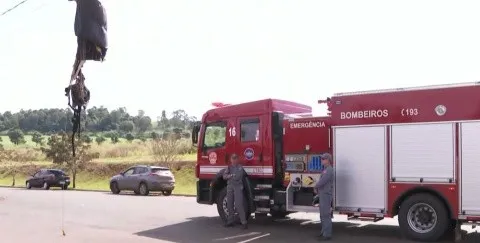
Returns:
<point x="324" y="189"/>
<point x="234" y="175"/>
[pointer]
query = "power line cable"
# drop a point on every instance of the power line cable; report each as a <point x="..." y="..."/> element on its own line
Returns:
<point x="14" y="7"/>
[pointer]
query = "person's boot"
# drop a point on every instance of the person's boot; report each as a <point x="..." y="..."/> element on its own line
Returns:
<point x="244" y="226"/>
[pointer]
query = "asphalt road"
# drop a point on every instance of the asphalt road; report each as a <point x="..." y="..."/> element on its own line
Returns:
<point x="36" y="216"/>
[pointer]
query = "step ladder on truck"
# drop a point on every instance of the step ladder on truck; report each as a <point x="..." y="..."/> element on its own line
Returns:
<point x="409" y="152"/>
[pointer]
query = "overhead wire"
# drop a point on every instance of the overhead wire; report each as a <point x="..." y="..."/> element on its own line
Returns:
<point x="14" y="7"/>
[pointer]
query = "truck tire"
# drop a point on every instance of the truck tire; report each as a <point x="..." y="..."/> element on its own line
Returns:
<point x="423" y="217"/>
<point x="222" y="206"/>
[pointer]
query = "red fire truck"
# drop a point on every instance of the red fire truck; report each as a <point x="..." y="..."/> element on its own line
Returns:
<point x="411" y="152"/>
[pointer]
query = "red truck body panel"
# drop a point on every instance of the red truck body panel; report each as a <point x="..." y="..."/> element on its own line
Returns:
<point x="416" y="105"/>
<point x="301" y="133"/>
<point x="261" y="163"/>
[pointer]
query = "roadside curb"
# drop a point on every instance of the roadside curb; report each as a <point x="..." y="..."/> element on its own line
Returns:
<point x="86" y="190"/>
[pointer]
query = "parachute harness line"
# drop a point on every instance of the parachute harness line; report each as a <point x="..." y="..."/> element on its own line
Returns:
<point x="78" y="97"/>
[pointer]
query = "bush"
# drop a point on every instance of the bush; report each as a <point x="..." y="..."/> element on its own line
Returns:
<point x="165" y="150"/>
<point x="114" y="139"/>
<point x="16" y="136"/>
<point x="100" y="140"/>
<point x="185" y="147"/>
<point x="87" y="138"/>
<point x="129" y="137"/>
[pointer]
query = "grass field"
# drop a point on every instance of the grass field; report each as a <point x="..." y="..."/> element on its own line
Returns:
<point x="113" y="159"/>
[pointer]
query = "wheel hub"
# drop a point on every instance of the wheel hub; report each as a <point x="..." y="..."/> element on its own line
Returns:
<point x="422" y="218"/>
<point x="225" y="206"/>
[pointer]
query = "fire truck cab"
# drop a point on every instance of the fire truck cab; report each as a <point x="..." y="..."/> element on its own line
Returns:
<point x="409" y="152"/>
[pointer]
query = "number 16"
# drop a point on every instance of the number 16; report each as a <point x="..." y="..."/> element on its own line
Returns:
<point x="232" y="132"/>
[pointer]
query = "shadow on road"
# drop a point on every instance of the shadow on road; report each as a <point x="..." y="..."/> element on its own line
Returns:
<point x="209" y="229"/>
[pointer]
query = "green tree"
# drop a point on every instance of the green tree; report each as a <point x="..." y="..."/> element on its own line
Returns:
<point x="129" y="137"/>
<point x="144" y="123"/>
<point x="179" y="119"/>
<point x="100" y="140"/>
<point x="163" y="121"/>
<point x="16" y="136"/>
<point x="59" y="151"/>
<point x="127" y="126"/>
<point x="37" y="138"/>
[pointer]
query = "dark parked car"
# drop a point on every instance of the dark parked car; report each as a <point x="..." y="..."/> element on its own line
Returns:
<point x="46" y="178"/>
<point x="143" y="179"/>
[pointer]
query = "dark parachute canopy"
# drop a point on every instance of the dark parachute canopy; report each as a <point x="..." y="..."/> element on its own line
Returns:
<point x="91" y="30"/>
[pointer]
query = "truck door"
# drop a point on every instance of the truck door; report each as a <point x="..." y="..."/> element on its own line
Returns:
<point x="249" y="144"/>
<point x="216" y="146"/>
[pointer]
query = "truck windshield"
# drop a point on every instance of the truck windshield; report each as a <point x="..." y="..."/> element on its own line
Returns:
<point x="215" y="135"/>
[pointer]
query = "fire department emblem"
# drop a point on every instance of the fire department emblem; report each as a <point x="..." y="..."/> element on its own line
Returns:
<point x="212" y="157"/>
<point x="249" y="153"/>
<point x="440" y="110"/>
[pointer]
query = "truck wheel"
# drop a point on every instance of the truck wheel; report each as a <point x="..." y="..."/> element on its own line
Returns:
<point x="223" y="209"/>
<point x="167" y="192"/>
<point x="423" y="217"/>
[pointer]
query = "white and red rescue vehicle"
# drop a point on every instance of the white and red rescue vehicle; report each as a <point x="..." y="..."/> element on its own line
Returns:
<point x="411" y="152"/>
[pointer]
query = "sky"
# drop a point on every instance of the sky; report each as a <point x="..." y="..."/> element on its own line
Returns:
<point x="187" y="54"/>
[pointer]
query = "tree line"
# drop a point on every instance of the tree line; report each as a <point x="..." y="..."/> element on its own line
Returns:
<point x="114" y="123"/>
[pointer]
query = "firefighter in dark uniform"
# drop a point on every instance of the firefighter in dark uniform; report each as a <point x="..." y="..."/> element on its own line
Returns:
<point x="234" y="175"/>
<point x="324" y="189"/>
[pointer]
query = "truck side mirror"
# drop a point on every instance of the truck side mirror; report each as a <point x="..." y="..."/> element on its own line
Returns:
<point x="195" y="131"/>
